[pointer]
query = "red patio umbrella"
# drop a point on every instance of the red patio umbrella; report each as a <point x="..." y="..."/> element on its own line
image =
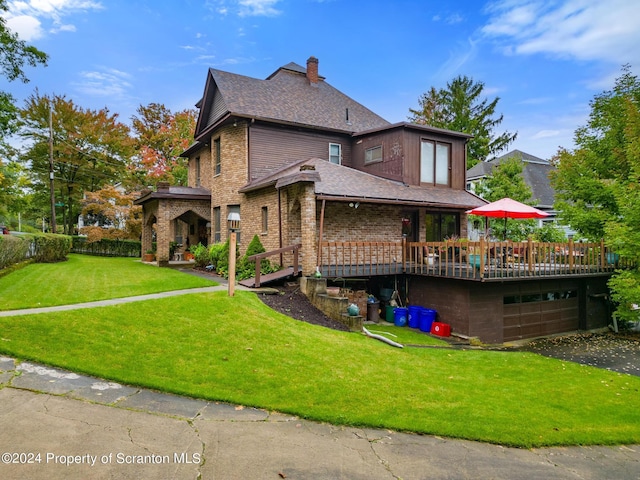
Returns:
<point x="507" y="208"/>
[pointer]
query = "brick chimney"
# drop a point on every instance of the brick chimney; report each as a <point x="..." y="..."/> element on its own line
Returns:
<point x="312" y="70"/>
<point x="162" y="187"/>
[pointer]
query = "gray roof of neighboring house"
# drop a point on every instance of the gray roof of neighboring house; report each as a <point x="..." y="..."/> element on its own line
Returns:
<point x="337" y="182"/>
<point x="286" y="96"/>
<point x="535" y="172"/>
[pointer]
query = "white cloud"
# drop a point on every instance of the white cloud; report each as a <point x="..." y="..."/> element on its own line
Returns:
<point x="254" y="8"/>
<point x="545" y="134"/>
<point x="104" y="82"/>
<point x="575" y="29"/>
<point x="26" y="17"/>
<point x="27" y="27"/>
<point x="245" y="8"/>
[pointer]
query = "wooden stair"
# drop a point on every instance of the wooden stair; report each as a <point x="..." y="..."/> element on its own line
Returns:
<point x="269" y="277"/>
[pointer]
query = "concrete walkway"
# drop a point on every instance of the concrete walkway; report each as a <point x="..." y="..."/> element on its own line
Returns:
<point x="58" y="424"/>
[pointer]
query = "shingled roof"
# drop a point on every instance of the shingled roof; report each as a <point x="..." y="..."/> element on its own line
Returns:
<point x="289" y="96"/>
<point x="337" y="182"/>
<point x="535" y="172"/>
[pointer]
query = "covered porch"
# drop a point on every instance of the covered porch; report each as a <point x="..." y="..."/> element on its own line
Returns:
<point x="174" y="218"/>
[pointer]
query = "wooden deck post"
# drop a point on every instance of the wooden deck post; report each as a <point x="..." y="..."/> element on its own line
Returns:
<point x="570" y="253"/>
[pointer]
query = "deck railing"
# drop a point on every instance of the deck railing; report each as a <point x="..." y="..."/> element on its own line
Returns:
<point x="466" y="259"/>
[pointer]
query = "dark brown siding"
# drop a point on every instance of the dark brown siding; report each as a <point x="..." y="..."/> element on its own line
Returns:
<point x="478" y="310"/>
<point x="401" y="155"/>
<point x="449" y="298"/>
<point x="393" y="154"/>
<point x="272" y="148"/>
<point x="412" y="157"/>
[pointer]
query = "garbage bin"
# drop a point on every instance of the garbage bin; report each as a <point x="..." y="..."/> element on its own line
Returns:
<point x="427" y="317"/>
<point x="388" y="313"/>
<point x="373" y="311"/>
<point x="414" y="316"/>
<point x="400" y="315"/>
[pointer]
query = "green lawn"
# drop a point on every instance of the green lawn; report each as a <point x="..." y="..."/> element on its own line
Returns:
<point x="238" y="350"/>
<point x="84" y="278"/>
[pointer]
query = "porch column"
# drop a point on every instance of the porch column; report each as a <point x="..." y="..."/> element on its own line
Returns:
<point x="163" y="233"/>
<point x="308" y="254"/>
<point x="147" y="233"/>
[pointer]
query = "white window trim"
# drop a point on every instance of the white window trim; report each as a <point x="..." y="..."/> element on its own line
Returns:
<point x="339" y="145"/>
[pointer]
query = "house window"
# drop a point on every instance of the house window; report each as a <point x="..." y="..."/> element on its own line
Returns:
<point x="216" y="225"/>
<point x="435" y="163"/>
<point x="197" y="165"/>
<point x="335" y="153"/>
<point x="216" y="157"/>
<point x="235" y="209"/>
<point x="373" y="155"/>
<point x="440" y="226"/>
<point x="265" y="219"/>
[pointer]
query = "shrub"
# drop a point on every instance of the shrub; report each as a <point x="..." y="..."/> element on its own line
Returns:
<point x="200" y="255"/>
<point x="222" y="264"/>
<point x="40" y="247"/>
<point x="215" y="253"/>
<point x="550" y="232"/>
<point x="51" y="247"/>
<point x="247" y="268"/>
<point x="107" y="247"/>
<point x="14" y="249"/>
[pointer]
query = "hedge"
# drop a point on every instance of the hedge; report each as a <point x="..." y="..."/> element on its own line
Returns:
<point x="107" y="247"/>
<point x="39" y="247"/>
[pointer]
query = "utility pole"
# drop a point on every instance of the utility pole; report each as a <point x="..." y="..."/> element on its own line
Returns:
<point x="53" y="196"/>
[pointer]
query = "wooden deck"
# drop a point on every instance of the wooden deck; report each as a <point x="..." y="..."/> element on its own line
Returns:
<point x="479" y="261"/>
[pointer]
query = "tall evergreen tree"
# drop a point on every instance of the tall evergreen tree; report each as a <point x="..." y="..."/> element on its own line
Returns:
<point x="460" y="107"/>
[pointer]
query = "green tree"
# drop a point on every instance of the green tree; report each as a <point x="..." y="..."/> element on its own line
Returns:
<point x="161" y="136"/>
<point x="586" y="178"/>
<point x="460" y="107"/>
<point x="597" y="183"/>
<point x="15" y="54"/>
<point x="90" y="149"/>
<point x="506" y="180"/>
<point x="114" y="213"/>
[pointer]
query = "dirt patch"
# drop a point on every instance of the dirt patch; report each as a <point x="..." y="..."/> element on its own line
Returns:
<point x="618" y="352"/>
<point x="292" y="302"/>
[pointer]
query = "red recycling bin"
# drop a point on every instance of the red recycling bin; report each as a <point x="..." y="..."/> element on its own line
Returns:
<point x="441" y="329"/>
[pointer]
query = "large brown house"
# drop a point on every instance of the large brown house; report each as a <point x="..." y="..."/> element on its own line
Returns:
<point x="302" y="163"/>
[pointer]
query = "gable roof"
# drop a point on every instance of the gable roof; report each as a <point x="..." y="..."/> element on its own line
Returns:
<point x="340" y="183"/>
<point x="286" y="96"/>
<point x="535" y="172"/>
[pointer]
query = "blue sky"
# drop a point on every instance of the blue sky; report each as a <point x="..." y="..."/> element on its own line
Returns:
<point x="545" y="59"/>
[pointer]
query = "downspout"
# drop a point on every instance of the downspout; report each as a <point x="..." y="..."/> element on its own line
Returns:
<point x="319" y="252"/>
<point x="280" y="222"/>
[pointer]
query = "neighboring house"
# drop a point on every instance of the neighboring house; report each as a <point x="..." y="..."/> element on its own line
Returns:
<point x="535" y="172"/>
<point x="302" y="163"/>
